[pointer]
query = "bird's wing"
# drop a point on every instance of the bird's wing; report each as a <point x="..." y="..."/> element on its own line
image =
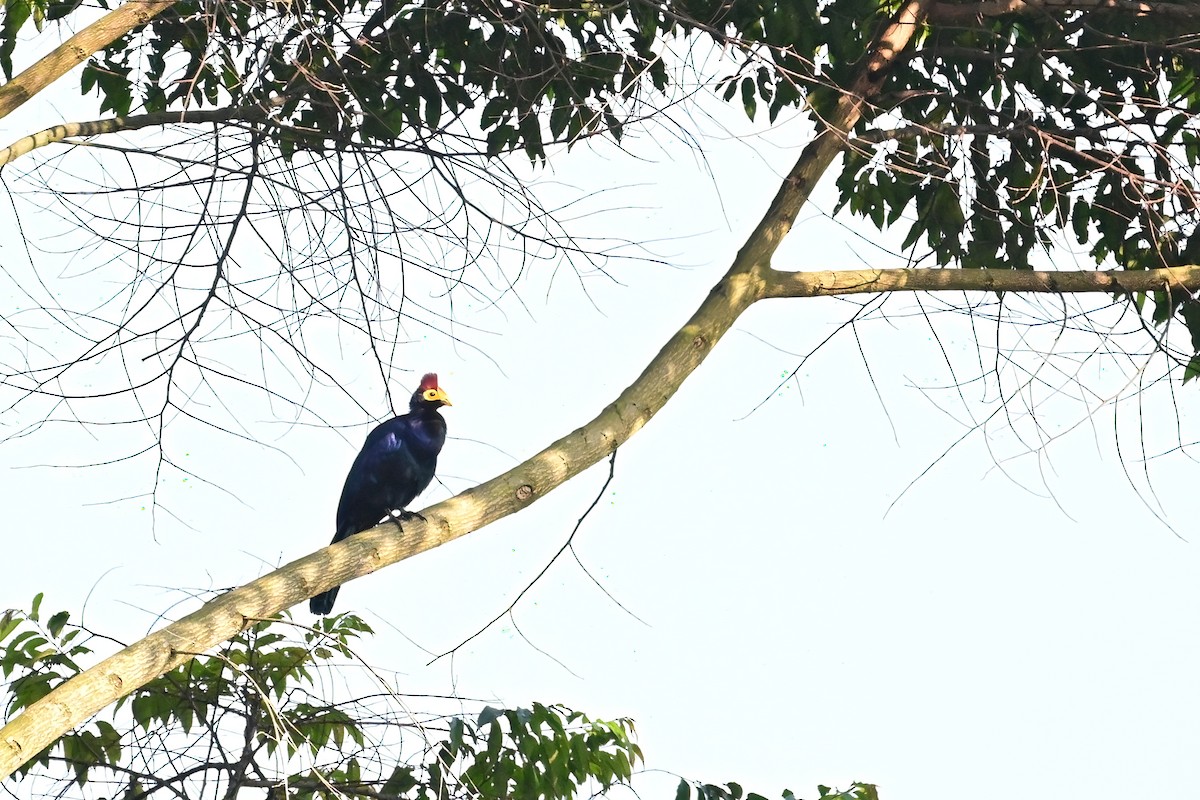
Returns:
<point x="371" y="483"/>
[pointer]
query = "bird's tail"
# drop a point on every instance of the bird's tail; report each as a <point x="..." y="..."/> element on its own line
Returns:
<point x="323" y="603"/>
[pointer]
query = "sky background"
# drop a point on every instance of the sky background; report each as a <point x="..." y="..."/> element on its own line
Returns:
<point x="1015" y="623"/>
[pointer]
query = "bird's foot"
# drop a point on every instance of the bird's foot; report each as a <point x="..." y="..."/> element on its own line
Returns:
<point x="404" y="516"/>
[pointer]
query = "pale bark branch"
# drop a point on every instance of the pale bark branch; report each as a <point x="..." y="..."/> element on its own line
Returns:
<point x="77" y="49"/>
<point x="223" y="618"/>
<point x="966" y="13"/>
<point x="745" y="283"/>
<point x="359" y="555"/>
<point x="831" y="137"/>
<point x="67" y="130"/>
<point x="861" y="281"/>
<point x="749" y="280"/>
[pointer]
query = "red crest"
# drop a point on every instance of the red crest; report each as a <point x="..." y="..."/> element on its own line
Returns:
<point x="428" y="382"/>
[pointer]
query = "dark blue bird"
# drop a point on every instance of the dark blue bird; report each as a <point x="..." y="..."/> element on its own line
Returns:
<point x="395" y="465"/>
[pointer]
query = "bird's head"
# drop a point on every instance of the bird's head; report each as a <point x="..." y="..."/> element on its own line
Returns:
<point x="429" y="394"/>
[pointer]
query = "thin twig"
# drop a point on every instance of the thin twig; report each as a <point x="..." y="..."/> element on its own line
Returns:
<point x="612" y="464"/>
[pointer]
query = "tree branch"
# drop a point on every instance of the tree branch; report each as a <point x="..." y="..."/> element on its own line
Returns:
<point x="96" y="127"/>
<point x="749" y="279"/>
<point x="831" y="137"/>
<point x="967" y="13"/>
<point x="75" y="50"/>
<point x="862" y="281"/>
<point x="229" y="614"/>
<point x="745" y="283"/>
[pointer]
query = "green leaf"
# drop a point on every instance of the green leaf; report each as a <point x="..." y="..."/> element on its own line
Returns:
<point x="730" y="88"/>
<point x="488" y="716"/>
<point x="57" y="9"/>
<point x="497" y="109"/>
<point x="56" y="623"/>
<point x="456" y="735"/>
<point x="501" y="139"/>
<point x="16" y="12"/>
<point x="1079" y="220"/>
<point x="1193" y="369"/>
<point x="432" y="97"/>
<point x="495" y="741"/>
<point x="560" y="116"/>
<point x="400" y="782"/>
<point x="531" y="133"/>
<point x="749" y="98"/>
<point x="9" y="623"/>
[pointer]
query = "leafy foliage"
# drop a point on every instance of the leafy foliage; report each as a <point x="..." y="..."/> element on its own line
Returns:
<point x="1025" y="125"/>
<point x="262" y="682"/>
<point x="1001" y="137"/>
<point x="733" y="791"/>
<point x="38" y="656"/>
<point x="248" y="717"/>
<point x="996" y="137"/>
<point x="338" y="72"/>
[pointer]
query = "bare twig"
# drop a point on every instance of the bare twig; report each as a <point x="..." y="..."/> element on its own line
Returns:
<point x="612" y="465"/>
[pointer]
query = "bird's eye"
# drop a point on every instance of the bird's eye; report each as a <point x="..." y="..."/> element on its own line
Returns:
<point x="431" y="394"/>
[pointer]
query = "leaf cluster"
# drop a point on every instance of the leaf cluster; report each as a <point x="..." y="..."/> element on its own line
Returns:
<point x="995" y="138"/>
<point x="254" y="703"/>
<point x="39" y="655"/>
<point x="1026" y="125"/>
<point x="999" y="139"/>
<point x="733" y="791"/>
<point x="365" y="72"/>
<point x="249" y="717"/>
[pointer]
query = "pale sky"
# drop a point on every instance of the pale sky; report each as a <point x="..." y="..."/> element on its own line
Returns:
<point x="1026" y="630"/>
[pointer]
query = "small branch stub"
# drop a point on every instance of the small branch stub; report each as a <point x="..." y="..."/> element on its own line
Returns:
<point x="524" y="492"/>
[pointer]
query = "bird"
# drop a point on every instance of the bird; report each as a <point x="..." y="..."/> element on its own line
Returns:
<point x="396" y="464"/>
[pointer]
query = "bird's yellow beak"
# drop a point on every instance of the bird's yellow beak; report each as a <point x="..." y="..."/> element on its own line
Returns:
<point x="440" y="395"/>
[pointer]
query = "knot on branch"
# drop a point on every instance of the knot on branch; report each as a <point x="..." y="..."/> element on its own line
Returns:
<point x="524" y="492"/>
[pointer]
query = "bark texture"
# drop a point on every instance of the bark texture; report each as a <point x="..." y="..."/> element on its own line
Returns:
<point x="77" y="49"/>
